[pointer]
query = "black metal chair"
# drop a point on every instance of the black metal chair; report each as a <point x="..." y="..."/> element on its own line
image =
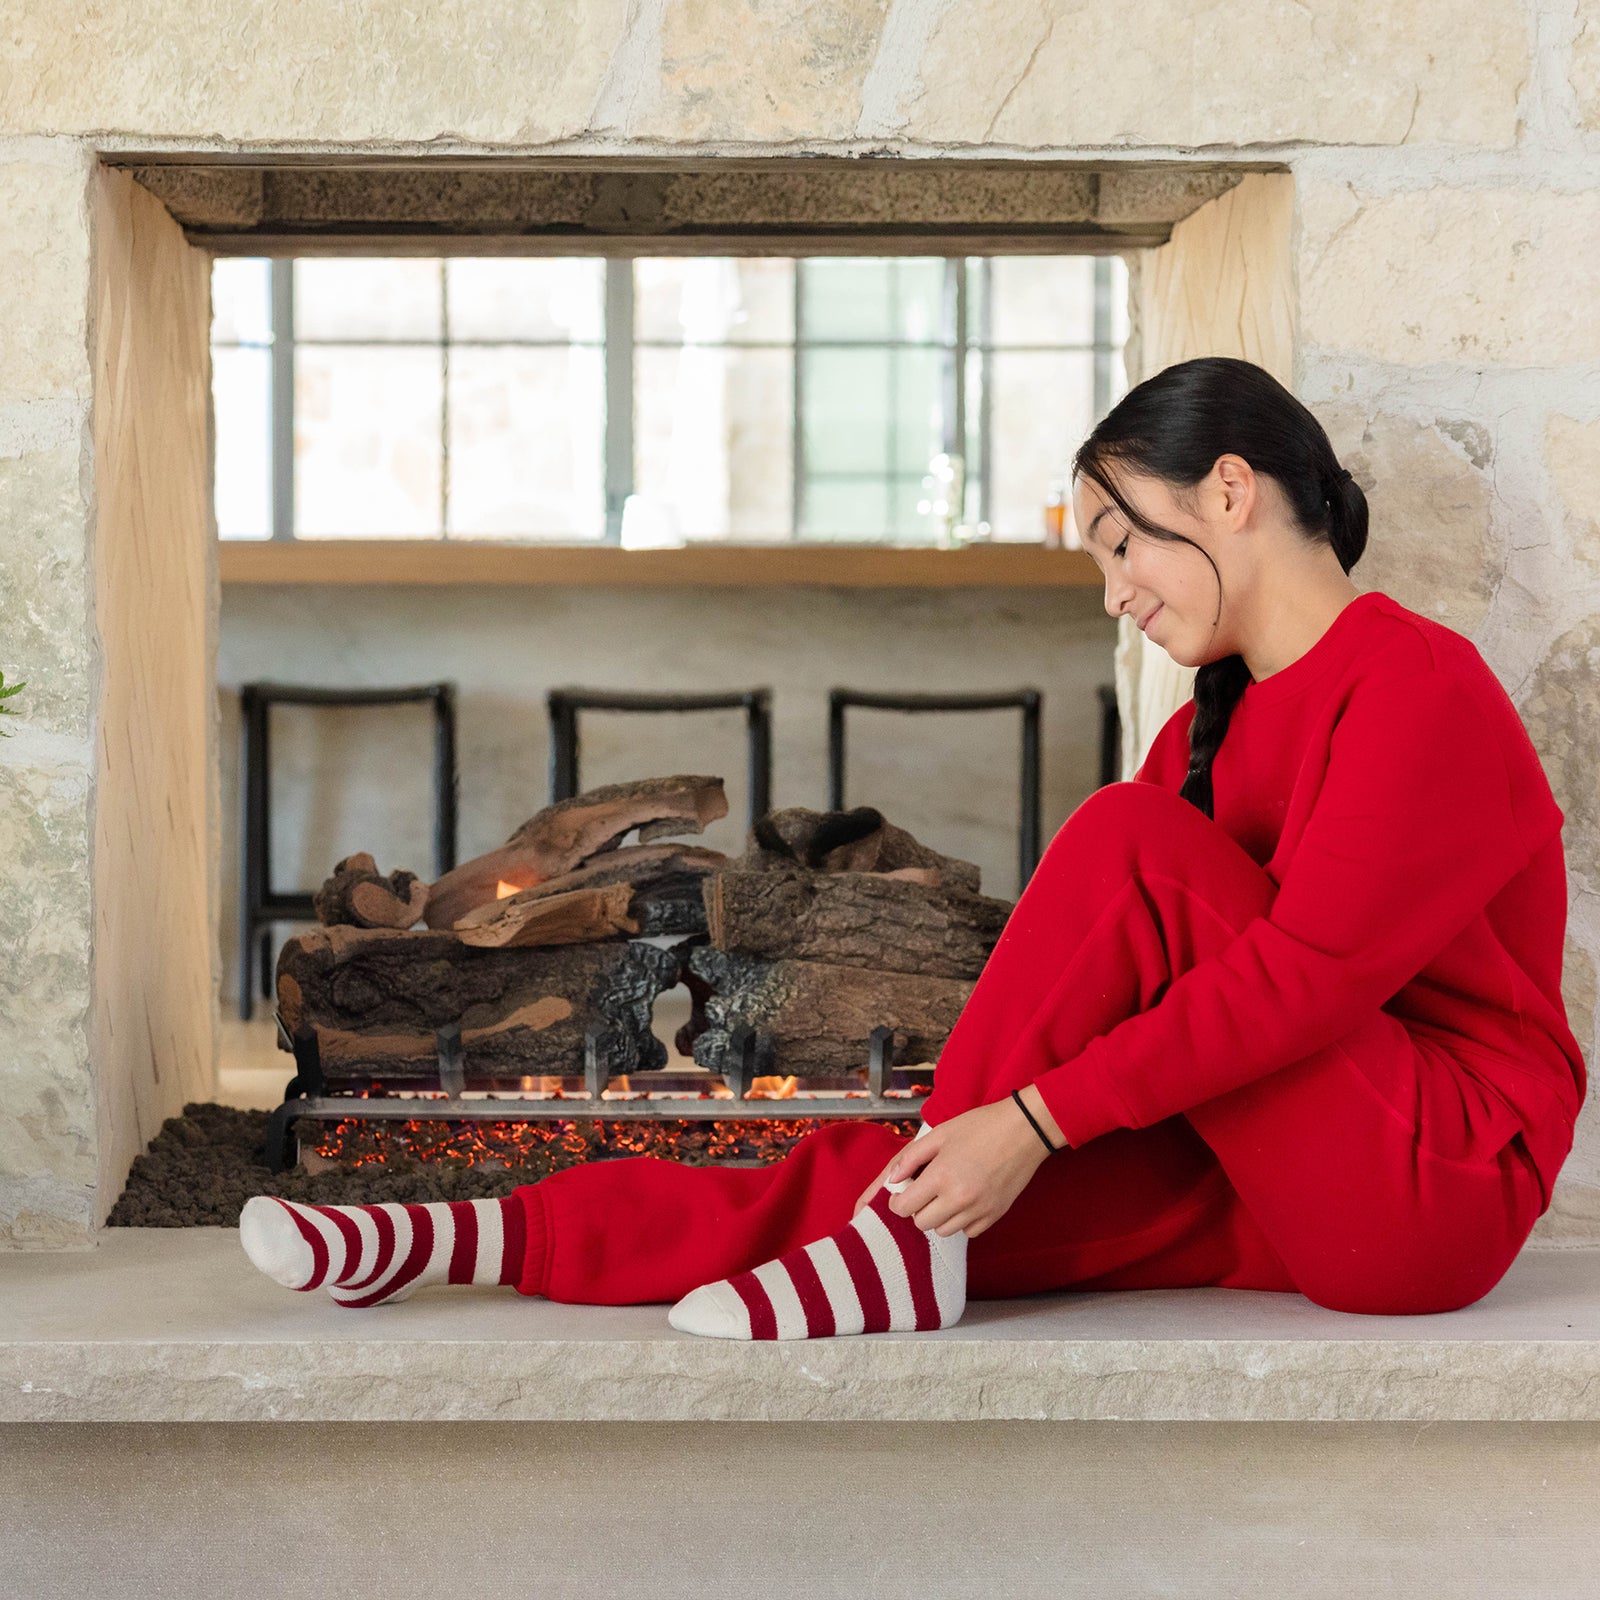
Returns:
<point x="260" y="905"/>
<point x="565" y="704"/>
<point x="1110" y="734"/>
<point x="1028" y="701"/>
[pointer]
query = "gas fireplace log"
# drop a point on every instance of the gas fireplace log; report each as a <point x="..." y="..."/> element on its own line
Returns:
<point x="377" y="996"/>
<point x="566" y="835"/>
<point x="360" y="896"/>
<point x="853" y="919"/>
<point x="665" y="881"/>
<point x="577" y="917"/>
<point x="846" y="841"/>
<point x="816" y="1020"/>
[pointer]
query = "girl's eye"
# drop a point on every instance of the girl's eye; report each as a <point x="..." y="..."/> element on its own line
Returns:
<point x="1120" y="548"/>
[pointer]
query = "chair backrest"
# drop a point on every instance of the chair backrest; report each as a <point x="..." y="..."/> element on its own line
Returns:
<point x="1028" y="701"/>
<point x="566" y="703"/>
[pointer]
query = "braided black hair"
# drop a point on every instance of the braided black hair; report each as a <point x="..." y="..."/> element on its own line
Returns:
<point x="1174" y="426"/>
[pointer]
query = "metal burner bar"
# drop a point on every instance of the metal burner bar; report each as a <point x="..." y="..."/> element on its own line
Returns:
<point x="336" y="1108"/>
<point x="306" y="1096"/>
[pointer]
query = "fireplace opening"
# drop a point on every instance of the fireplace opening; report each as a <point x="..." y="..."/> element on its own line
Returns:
<point x="502" y="616"/>
<point x="596" y="989"/>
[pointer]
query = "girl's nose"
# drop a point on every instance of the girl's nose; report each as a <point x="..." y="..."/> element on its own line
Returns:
<point x="1118" y="593"/>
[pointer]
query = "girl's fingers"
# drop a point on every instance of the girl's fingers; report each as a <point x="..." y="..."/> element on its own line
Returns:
<point x="912" y="1159"/>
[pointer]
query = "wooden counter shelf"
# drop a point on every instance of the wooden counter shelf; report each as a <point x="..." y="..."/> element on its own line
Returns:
<point x="432" y="562"/>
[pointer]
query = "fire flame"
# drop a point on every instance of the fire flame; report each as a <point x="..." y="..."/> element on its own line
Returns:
<point x="503" y="889"/>
<point x="549" y="1144"/>
<point x="773" y="1088"/>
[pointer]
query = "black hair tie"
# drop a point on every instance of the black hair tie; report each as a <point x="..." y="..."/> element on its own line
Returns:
<point x="1016" y="1094"/>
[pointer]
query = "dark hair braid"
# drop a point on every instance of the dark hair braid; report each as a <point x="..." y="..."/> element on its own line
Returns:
<point x="1173" y="427"/>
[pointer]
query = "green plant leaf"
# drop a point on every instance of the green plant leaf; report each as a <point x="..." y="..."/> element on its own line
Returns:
<point x="6" y="694"/>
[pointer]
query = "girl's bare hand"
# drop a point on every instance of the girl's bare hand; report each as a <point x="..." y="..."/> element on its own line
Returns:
<point x="968" y="1170"/>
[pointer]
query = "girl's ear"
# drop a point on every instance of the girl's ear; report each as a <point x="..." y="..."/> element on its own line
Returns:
<point x="1236" y="484"/>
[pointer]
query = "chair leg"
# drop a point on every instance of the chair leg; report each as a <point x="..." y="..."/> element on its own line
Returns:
<point x="247" y="970"/>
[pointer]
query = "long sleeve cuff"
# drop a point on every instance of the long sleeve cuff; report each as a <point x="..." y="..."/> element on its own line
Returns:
<point x="1081" y="1099"/>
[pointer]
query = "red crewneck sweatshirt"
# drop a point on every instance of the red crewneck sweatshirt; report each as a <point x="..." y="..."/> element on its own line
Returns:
<point x="1385" y="782"/>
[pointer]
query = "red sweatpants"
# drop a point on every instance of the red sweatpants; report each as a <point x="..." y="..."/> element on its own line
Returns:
<point x="1352" y="1175"/>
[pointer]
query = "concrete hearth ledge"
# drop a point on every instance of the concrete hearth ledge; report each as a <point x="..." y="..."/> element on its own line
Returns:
<point x="174" y="1325"/>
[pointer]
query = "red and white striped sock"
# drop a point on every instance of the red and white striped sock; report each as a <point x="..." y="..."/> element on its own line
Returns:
<point x="366" y="1255"/>
<point x="880" y="1273"/>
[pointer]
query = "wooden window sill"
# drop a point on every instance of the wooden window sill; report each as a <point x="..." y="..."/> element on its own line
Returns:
<point x="432" y="562"/>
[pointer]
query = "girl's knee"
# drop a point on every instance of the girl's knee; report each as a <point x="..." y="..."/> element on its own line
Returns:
<point x="1418" y="1290"/>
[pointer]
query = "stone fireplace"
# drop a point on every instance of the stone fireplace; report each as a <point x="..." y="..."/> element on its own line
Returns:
<point x="139" y="1039"/>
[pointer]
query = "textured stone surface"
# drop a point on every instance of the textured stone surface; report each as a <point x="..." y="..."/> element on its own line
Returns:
<point x="1430" y="540"/>
<point x="758" y="69"/>
<point x="1064" y="73"/>
<point x="826" y="1511"/>
<point x="47" y="1105"/>
<point x="176" y="1325"/>
<point x="44" y="587"/>
<point x="1585" y="67"/>
<point x="1559" y="711"/>
<point x="1499" y="276"/>
<point x="1159" y="71"/>
<point x="44" y="273"/>
<point x="1572" y="454"/>
<point x="499" y="71"/>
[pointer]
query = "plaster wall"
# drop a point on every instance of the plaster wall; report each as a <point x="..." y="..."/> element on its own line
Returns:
<point x="1445" y="159"/>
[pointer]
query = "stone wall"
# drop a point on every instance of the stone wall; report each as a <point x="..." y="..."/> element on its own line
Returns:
<point x="1447" y="204"/>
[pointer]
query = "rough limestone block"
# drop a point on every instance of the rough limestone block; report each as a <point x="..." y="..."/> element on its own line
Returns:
<point x="1572" y="455"/>
<point x="1466" y="276"/>
<point x="1431" y="541"/>
<point x="1558" y="710"/>
<point x="1165" y="72"/>
<point x="44" y="270"/>
<point x="759" y="70"/>
<point x="44" y="599"/>
<point x="47" y="1096"/>
<point x="1585" y="68"/>
<point x="497" y="71"/>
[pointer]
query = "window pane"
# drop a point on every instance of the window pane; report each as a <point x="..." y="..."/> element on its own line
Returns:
<point x="241" y="300"/>
<point x="367" y="442"/>
<point x="919" y="311"/>
<point x="919" y="408"/>
<point x="839" y="508"/>
<point x="366" y="299"/>
<point x="558" y="299"/>
<point x="241" y="389"/>
<point x="527" y="432"/>
<point x="1041" y="405"/>
<point x="713" y="439"/>
<point x="845" y="297"/>
<point x="1043" y="300"/>
<point x="845" y="397"/>
<point x="714" y="299"/>
<point x="908" y="525"/>
<point x="1119" y="300"/>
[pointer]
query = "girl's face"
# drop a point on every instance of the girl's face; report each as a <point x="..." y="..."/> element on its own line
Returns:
<point x="1167" y="586"/>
